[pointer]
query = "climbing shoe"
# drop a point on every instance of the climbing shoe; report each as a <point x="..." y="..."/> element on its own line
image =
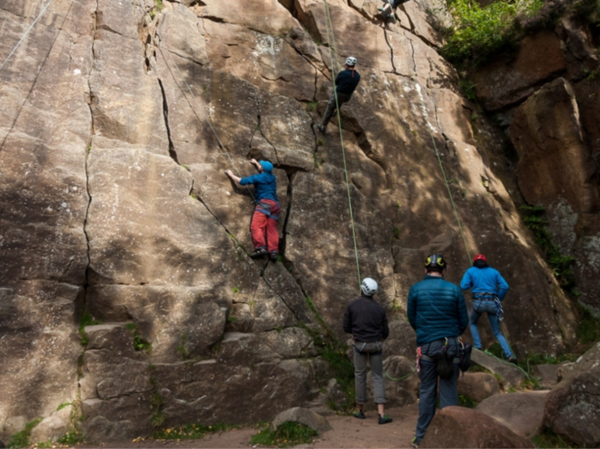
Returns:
<point x="321" y="128"/>
<point x="513" y="360"/>
<point x="359" y="414"/>
<point x="384" y="419"/>
<point x="273" y="256"/>
<point x="414" y="443"/>
<point x="260" y="252"/>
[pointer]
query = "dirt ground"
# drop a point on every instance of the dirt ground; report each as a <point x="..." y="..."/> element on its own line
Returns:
<point x="347" y="432"/>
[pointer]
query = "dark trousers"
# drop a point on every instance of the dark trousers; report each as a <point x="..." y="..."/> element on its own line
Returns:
<point x="428" y="392"/>
<point x="331" y="106"/>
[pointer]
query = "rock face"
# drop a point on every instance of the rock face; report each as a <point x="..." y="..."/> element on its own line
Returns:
<point x="478" y="386"/>
<point x="521" y="412"/>
<point x="572" y="408"/>
<point x="546" y="98"/>
<point x="302" y="416"/>
<point x="463" y="427"/>
<point x="554" y="161"/>
<point x="117" y="124"/>
<point x="510" y="375"/>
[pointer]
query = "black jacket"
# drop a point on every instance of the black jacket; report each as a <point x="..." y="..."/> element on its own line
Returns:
<point x="366" y="320"/>
<point x="346" y="82"/>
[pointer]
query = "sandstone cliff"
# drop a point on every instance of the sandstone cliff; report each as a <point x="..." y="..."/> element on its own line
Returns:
<point x="114" y="204"/>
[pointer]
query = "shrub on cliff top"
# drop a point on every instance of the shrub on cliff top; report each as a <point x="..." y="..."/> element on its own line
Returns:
<point x="478" y="33"/>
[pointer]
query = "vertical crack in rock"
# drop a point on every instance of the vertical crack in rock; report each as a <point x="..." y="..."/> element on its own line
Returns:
<point x="263" y="134"/>
<point x="410" y="22"/>
<point x="172" y="151"/>
<point x="387" y="41"/>
<point x="412" y="47"/>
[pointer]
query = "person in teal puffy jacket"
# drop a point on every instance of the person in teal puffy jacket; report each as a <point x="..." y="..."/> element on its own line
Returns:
<point x="489" y="289"/>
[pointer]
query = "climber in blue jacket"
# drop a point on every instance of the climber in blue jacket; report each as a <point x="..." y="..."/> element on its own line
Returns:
<point x="438" y="313"/>
<point x="489" y="289"/>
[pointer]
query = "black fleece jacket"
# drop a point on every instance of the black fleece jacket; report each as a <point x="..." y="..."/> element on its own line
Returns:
<point x="346" y="81"/>
<point x="366" y="320"/>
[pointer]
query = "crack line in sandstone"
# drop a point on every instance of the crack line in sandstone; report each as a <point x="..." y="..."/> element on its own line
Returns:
<point x="387" y="41"/>
<point x="412" y="47"/>
<point x="172" y="151"/>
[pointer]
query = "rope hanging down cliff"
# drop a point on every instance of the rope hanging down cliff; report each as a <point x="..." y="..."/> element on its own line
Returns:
<point x="333" y="59"/>
<point x="26" y="33"/>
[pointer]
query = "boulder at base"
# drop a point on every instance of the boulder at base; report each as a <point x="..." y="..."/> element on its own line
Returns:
<point x="478" y="386"/>
<point x="463" y="427"/>
<point x="302" y="416"/>
<point x="511" y="375"/>
<point x="521" y="412"/>
<point x="573" y="406"/>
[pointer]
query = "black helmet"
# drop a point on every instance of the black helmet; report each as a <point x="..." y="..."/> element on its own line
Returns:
<point x="435" y="261"/>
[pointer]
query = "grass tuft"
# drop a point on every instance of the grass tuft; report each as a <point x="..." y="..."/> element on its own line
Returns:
<point x="190" y="431"/>
<point x="21" y="439"/>
<point x="287" y="434"/>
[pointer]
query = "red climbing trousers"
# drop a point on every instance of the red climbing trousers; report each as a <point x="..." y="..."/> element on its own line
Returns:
<point x="264" y="224"/>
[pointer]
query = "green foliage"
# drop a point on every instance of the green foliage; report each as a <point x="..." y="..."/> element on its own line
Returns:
<point x="86" y="320"/>
<point x="63" y="405"/>
<point x="548" y="439"/>
<point x="469" y="89"/>
<point x="396" y="233"/>
<point x="139" y="344"/>
<point x="334" y="353"/>
<point x="287" y="434"/>
<point x="466" y="401"/>
<point x="561" y="265"/>
<point x="496" y="349"/>
<point x="21" y="439"/>
<point x="181" y="349"/>
<point x="190" y="431"/>
<point x="312" y="106"/>
<point x="546" y="359"/>
<point x="480" y="32"/>
<point x="588" y="328"/>
<point x="236" y="290"/>
<point x="71" y="438"/>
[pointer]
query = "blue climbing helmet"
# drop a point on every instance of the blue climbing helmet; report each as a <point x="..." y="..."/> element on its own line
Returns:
<point x="267" y="166"/>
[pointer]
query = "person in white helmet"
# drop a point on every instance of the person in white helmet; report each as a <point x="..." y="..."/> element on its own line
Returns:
<point x="345" y="84"/>
<point x="367" y="322"/>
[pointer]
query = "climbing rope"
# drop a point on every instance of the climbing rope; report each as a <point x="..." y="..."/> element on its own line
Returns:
<point x="333" y="58"/>
<point x="26" y="33"/>
<point x="39" y="71"/>
<point x="400" y="378"/>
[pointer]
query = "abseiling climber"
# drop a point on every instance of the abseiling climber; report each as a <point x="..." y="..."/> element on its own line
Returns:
<point x="263" y="227"/>
<point x="345" y="84"/>
<point x="388" y="6"/>
<point x="489" y="289"/>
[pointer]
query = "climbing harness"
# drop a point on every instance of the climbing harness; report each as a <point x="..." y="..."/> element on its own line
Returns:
<point x="26" y="33"/>
<point x="332" y="53"/>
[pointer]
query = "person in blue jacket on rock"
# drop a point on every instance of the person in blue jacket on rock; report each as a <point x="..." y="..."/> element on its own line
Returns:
<point x="489" y="289"/>
<point x="438" y="313"/>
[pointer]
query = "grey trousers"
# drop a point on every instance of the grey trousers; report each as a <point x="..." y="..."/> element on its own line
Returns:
<point x="342" y="98"/>
<point x="360" y="377"/>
